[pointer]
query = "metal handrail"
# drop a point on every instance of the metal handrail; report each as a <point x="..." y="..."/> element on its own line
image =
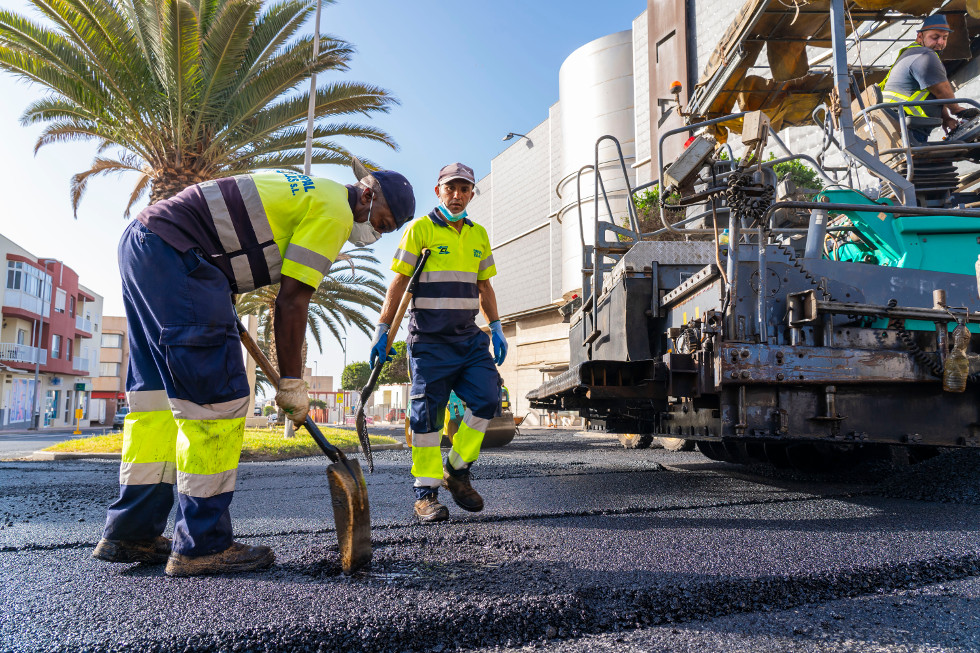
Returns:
<point x="908" y="149"/>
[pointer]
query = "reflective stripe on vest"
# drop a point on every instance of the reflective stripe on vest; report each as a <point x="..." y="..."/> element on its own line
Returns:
<point x="244" y="232"/>
<point x="892" y="96"/>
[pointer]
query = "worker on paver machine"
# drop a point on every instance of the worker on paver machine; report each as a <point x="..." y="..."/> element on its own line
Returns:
<point x="446" y="349"/>
<point x="919" y="74"/>
<point x="180" y="260"/>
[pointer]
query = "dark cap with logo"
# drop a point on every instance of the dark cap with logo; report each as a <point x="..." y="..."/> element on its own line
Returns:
<point x="456" y="171"/>
<point x="397" y="190"/>
<point x="936" y="21"/>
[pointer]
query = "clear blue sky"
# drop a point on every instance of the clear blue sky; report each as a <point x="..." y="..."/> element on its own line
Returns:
<point x="466" y="73"/>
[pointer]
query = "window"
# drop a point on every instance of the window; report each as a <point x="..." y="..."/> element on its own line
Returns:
<point x="21" y="336"/>
<point x="59" y="301"/>
<point x="28" y="279"/>
<point x="68" y="349"/>
<point x="55" y="346"/>
<point x="71" y="307"/>
<point x="14" y="274"/>
<point x="112" y="340"/>
<point x="109" y="369"/>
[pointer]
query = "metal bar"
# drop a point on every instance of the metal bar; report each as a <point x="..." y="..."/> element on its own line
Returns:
<point x="763" y="291"/>
<point x="874" y="310"/>
<point x="871" y="208"/>
<point x="853" y="145"/>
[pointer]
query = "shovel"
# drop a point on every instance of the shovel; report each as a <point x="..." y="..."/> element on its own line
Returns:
<point x="348" y="489"/>
<point x="360" y="421"/>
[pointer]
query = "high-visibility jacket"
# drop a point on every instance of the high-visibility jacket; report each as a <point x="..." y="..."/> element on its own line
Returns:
<point x="894" y="96"/>
<point x="257" y="228"/>
<point x="446" y="302"/>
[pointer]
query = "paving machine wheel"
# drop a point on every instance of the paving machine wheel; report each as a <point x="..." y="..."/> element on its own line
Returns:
<point x="635" y="440"/>
<point x="676" y="444"/>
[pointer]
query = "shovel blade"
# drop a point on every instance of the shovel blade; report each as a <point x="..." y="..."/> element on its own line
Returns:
<point x="351" y="513"/>
<point x="360" y="424"/>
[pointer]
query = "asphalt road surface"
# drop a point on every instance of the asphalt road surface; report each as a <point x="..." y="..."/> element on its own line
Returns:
<point x="583" y="546"/>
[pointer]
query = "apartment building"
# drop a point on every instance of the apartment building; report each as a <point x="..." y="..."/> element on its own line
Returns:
<point x="47" y="351"/>
<point x="109" y="387"/>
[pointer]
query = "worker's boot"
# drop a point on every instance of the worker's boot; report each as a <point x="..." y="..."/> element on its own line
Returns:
<point x="427" y="506"/>
<point x="237" y="557"/>
<point x="154" y="552"/>
<point x="458" y="484"/>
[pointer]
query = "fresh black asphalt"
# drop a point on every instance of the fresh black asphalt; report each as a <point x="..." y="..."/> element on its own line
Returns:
<point x="583" y="546"/>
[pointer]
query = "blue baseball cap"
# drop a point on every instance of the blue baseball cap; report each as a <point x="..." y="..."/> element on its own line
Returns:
<point x="398" y="194"/>
<point x="936" y="21"/>
<point x="396" y="189"/>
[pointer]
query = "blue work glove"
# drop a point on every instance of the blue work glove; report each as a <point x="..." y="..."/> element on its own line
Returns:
<point x="378" y="345"/>
<point x="499" y="342"/>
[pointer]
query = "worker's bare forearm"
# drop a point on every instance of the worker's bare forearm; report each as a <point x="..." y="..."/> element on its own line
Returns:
<point x="292" y="306"/>
<point x="488" y="301"/>
<point x="944" y="91"/>
<point x="392" y="298"/>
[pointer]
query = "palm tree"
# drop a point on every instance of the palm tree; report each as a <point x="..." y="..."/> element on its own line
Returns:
<point x="183" y="91"/>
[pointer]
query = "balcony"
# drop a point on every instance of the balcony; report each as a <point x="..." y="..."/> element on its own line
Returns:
<point x="14" y="353"/>
<point x="81" y="324"/>
<point x="81" y="365"/>
<point x="26" y="302"/>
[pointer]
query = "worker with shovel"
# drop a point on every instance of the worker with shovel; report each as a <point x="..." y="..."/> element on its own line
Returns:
<point x="446" y="349"/>
<point x="181" y="260"/>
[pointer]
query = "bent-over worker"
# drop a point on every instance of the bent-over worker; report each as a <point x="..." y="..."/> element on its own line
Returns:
<point x="180" y="260"/>
<point x="919" y="74"/>
<point x="447" y="351"/>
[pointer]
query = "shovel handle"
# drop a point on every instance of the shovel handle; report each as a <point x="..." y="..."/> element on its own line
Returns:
<point x="332" y="452"/>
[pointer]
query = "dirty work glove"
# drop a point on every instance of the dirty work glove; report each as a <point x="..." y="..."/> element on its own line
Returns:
<point x="294" y="399"/>
<point x="968" y="114"/>
<point x="499" y="342"/>
<point x="378" y="345"/>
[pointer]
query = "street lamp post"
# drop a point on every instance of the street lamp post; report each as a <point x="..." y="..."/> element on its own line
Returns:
<point x="315" y="373"/>
<point x="36" y="404"/>
<point x="344" y="347"/>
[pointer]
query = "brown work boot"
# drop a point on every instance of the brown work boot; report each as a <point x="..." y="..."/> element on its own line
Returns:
<point x="237" y="557"/>
<point x="428" y="508"/>
<point x="458" y="484"/>
<point x="154" y="552"/>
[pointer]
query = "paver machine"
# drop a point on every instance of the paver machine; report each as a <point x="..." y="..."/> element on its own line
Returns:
<point x="820" y="330"/>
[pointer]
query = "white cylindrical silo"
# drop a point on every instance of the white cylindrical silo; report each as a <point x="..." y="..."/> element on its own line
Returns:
<point x="595" y="88"/>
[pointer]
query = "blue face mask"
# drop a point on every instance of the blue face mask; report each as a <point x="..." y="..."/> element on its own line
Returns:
<point x="449" y="216"/>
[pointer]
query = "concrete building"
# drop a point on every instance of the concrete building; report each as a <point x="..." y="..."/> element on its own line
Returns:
<point x="109" y="388"/>
<point x="529" y="201"/>
<point x="47" y="355"/>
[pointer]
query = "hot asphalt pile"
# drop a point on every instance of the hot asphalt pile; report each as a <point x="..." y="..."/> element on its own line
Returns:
<point x="582" y="544"/>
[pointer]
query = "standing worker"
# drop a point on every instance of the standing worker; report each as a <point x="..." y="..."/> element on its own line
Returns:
<point x="919" y="74"/>
<point x="447" y="351"/>
<point x="181" y="259"/>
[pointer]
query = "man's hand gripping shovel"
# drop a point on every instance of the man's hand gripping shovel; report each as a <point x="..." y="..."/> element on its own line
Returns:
<point x="360" y="421"/>
<point x="348" y="489"/>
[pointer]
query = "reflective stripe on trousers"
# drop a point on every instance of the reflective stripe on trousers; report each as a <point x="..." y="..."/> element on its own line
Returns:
<point x="188" y="396"/>
<point x="437" y="369"/>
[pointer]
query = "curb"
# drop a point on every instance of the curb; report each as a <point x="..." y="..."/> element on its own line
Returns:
<point x="69" y="455"/>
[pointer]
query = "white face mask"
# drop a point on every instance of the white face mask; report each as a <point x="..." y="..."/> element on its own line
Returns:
<point x="363" y="233"/>
<point x="449" y="215"/>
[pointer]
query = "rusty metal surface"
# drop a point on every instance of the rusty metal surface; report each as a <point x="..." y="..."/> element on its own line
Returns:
<point x="745" y="363"/>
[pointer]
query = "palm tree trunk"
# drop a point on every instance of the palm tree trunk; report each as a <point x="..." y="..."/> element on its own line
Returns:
<point x="170" y="182"/>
